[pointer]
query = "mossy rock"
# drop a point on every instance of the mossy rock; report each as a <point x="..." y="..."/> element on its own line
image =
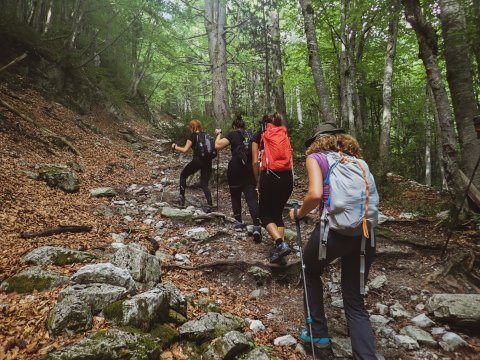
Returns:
<point x="111" y="345"/>
<point x="114" y="311"/>
<point x="208" y="305"/>
<point x="176" y="317"/>
<point x="59" y="176"/>
<point x="164" y="334"/>
<point x="55" y="255"/>
<point x="33" y="279"/>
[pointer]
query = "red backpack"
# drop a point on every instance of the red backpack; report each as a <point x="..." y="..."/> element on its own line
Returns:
<point x="277" y="154"/>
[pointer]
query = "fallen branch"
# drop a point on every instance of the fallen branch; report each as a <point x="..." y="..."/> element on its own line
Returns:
<point x="14" y="61"/>
<point x="237" y="263"/>
<point x="47" y="132"/>
<point x="57" y="230"/>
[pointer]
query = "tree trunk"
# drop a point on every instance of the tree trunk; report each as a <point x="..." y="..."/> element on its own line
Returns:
<point x="427" y="40"/>
<point x="299" y="107"/>
<point x="76" y="18"/>
<point x="266" y="45"/>
<point x="476" y="37"/>
<point x="387" y="85"/>
<point x="315" y="63"/>
<point x="428" y="144"/>
<point x="459" y="77"/>
<point x="277" y="62"/>
<point x="215" y="21"/>
<point x="438" y="142"/>
<point x="343" y="65"/>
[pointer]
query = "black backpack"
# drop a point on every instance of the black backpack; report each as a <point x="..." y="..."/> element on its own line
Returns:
<point x="205" y="147"/>
<point x="243" y="151"/>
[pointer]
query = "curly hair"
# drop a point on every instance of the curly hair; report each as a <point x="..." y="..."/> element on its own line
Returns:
<point x="336" y="142"/>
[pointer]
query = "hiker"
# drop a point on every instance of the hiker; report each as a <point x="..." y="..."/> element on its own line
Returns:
<point x="240" y="174"/>
<point x="272" y="167"/>
<point x="326" y="190"/>
<point x="201" y="160"/>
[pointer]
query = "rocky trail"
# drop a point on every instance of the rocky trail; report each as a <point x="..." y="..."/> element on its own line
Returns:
<point x="146" y="280"/>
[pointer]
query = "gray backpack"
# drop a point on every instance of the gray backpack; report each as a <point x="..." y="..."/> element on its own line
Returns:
<point x="352" y="206"/>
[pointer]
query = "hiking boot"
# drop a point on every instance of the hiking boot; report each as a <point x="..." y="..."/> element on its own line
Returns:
<point x="239" y="226"/>
<point x="257" y="234"/>
<point x="180" y="201"/>
<point x="279" y="252"/>
<point x="319" y="343"/>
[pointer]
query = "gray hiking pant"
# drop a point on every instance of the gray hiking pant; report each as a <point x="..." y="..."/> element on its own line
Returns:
<point x="348" y="249"/>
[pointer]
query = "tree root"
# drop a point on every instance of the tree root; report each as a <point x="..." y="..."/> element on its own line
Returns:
<point x="235" y="263"/>
<point x="57" y="230"/>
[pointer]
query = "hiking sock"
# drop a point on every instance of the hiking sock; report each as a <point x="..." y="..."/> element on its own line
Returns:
<point x="278" y="241"/>
<point x="281" y="230"/>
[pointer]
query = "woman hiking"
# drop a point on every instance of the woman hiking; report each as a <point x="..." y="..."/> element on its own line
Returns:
<point x="200" y="161"/>
<point x="330" y="142"/>
<point x="272" y="167"/>
<point x="240" y="174"/>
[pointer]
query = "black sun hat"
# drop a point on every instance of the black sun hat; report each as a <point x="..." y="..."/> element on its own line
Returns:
<point x="326" y="128"/>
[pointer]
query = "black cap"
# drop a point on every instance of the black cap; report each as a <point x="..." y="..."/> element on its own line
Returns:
<point x="326" y="128"/>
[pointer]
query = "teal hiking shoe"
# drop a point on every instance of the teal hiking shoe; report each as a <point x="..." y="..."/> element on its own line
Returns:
<point x="319" y="343"/>
<point x="279" y="252"/>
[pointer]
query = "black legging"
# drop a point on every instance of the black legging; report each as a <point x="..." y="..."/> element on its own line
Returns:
<point x="250" y="196"/>
<point x="348" y="249"/>
<point x="275" y="189"/>
<point x="205" y="167"/>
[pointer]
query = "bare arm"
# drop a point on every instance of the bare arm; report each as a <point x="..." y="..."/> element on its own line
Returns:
<point x="255" y="167"/>
<point x="183" y="149"/>
<point x="219" y="142"/>
<point x="315" y="189"/>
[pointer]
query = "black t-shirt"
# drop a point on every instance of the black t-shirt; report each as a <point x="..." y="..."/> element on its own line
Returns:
<point x="193" y="138"/>
<point x="236" y="137"/>
<point x="239" y="174"/>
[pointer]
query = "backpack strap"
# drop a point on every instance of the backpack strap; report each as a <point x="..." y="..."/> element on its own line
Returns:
<point x="365" y="205"/>
<point x="324" y="229"/>
<point x="362" y="265"/>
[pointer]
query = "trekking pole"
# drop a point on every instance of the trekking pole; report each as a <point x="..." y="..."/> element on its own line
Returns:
<point x="302" y="265"/>
<point x="218" y="165"/>
<point x="476" y="124"/>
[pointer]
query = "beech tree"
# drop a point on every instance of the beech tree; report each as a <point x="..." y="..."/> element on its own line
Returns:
<point x="215" y="23"/>
<point x="387" y="83"/>
<point x="459" y="76"/>
<point x="277" y="61"/>
<point x="428" y="46"/>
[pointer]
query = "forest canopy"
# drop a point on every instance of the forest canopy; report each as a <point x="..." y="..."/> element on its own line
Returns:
<point x="402" y="76"/>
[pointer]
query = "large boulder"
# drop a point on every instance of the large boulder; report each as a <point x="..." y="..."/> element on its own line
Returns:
<point x="176" y="301"/>
<point x="149" y="309"/>
<point x="458" y="309"/>
<point x="59" y="176"/>
<point x="341" y="347"/>
<point x="33" y="278"/>
<point x="70" y="314"/>
<point x="55" y="255"/>
<point x="104" y="273"/>
<point x="146" y="310"/>
<point x="97" y="296"/>
<point x="111" y="345"/>
<point x="210" y="326"/>
<point x="143" y="266"/>
<point x="228" y="346"/>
